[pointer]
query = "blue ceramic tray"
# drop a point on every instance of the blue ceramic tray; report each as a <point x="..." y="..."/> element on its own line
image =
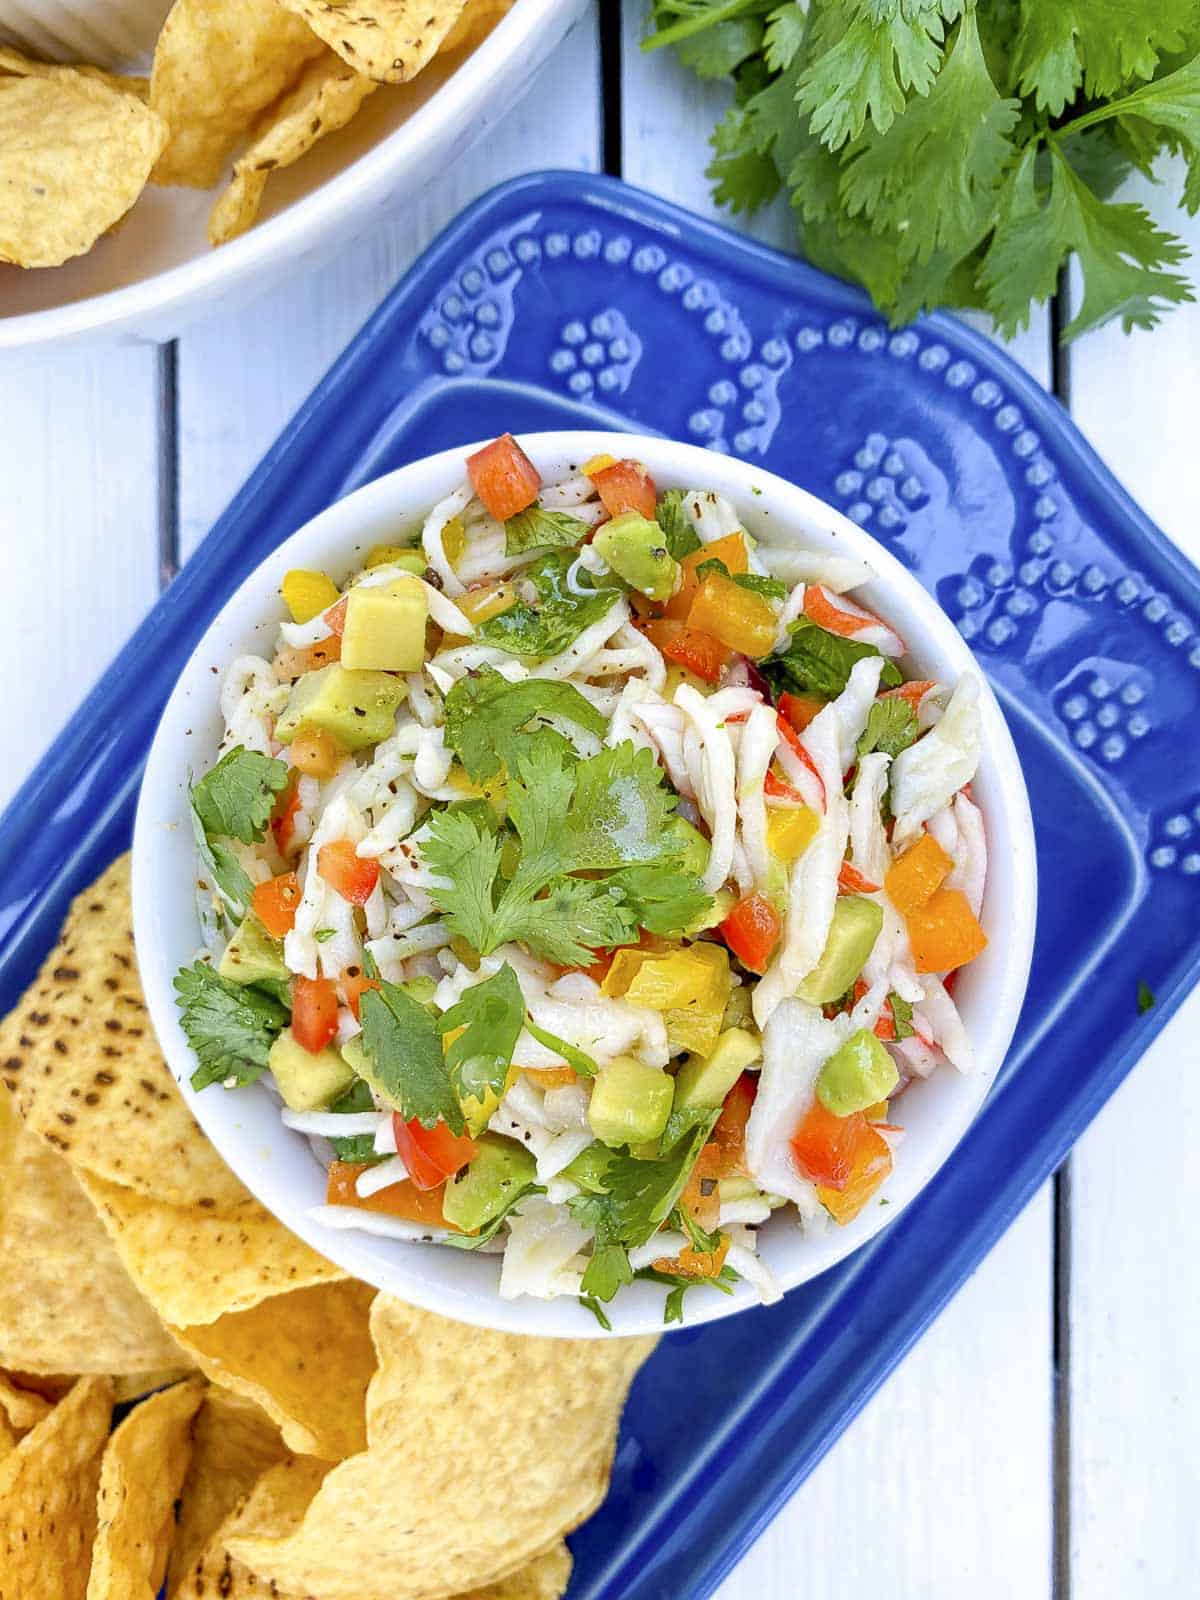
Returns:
<point x="561" y="301"/>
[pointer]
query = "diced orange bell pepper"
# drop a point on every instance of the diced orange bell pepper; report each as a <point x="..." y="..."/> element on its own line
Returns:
<point x="751" y="930"/>
<point x="355" y="984"/>
<point x="690" y="1263"/>
<point x="276" y="902"/>
<point x="871" y="1164"/>
<point x="315" y="752"/>
<point x="800" y="709"/>
<point x="826" y="1146"/>
<point x="503" y="477"/>
<point x="944" y="933"/>
<point x="919" y="871"/>
<point x="401" y="1199"/>
<point x="851" y="881"/>
<point x="731" y="550"/>
<point x="729" y="1135"/>
<point x="700" y="1198"/>
<point x="626" y="486"/>
<point x="697" y="652"/>
<point x="552" y="1077"/>
<point x="738" y="617"/>
<point x="291" y="664"/>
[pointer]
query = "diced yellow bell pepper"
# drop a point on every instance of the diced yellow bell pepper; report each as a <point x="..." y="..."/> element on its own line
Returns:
<point x="307" y="594"/>
<point x="387" y="555"/>
<point x="677" y="675"/>
<point x="690" y="986"/>
<point x="597" y="464"/>
<point x="878" y="1112"/>
<point x="454" y="540"/>
<point x="737" y="617"/>
<point x="479" y="605"/>
<point x="790" y="831"/>
<point x="917" y="874"/>
<point x="494" y="790"/>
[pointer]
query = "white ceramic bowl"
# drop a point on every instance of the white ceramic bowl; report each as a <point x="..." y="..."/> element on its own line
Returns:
<point x="156" y="272"/>
<point x="279" y="1166"/>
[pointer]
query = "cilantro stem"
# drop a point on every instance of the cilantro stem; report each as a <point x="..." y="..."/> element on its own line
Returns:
<point x="698" y="24"/>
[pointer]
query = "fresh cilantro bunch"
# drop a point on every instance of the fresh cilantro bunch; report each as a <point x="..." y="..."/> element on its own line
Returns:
<point x="234" y="801"/>
<point x="958" y="152"/>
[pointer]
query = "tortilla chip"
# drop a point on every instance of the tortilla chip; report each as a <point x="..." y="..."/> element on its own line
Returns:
<point x="48" y="1498"/>
<point x="219" y="63"/>
<point x="545" y="1578"/>
<point x="66" y="1303"/>
<point x="26" y="67"/>
<point x="141" y="1472"/>
<point x="391" y="40"/>
<point x="327" y="95"/>
<point x="80" y="1056"/>
<point x="8" y="1437"/>
<point x="194" y="1268"/>
<point x="129" y="1386"/>
<point x="22" y="1407"/>
<point x="233" y="1444"/>
<point x="276" y="1504"/>
<point x="305" y="1357"/>
<point x="74" y="156"/>
<point x="548" y="1410"/>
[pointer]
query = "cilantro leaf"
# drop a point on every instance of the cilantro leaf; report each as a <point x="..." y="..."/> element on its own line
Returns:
<point x="558" y="616"/>
<point x="680" y="535"/>
<point x="356" y="1147"/>
<point x="1099" y="44"/>
<point x="608" y="1269"/>
<point x="621" y="810"/>
<point x="235" y="799"/>
<point x="817" y="662"/>
<point x="744" y="178"/>
<point x="664" y="897"/>
<point x="571" y="1054"/>
<point x="405" y="1050"/>
<point x="589" y="1303"/>
<point x="231" y="1027"/>
<point x="223" y="869"/>
<point x="487" y="718"/>
<point x="901" y="1016"/>
<point x="891" y="727"/>
<point x="538" y="529"/>
<point x="784" y="39"/>
<point x="1171" y="107"/>
<point x="491" y="1015"/>
<point x="679" y="1284"/>
<point x="754" y="582"/>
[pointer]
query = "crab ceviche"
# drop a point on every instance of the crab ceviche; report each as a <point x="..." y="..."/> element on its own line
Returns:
<point x="589" y="879"/>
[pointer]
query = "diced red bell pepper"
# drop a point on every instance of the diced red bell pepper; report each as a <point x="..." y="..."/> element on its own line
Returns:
<point x="697" y="652"/>
<point x="700" y="1198"/>
<point x="885" y="1022"/>
<point x="819" y="608"/>
<point x="352" y="876"/>
<point x="751" y="930"/>
<point x="355" y="984"/>
<point x="729" y="1134"/>
<point x="283" y="817"/>
<point x="779" y="789"/>
<point x="503" y="477"/>
<point x="825" y="1145"/>
<point x="401" y="1199"/>
<point x="335" y="617"/>
<point x="431" y="1154"/>
<point x="851" y="881"/>
<point x="314" y="1013"/>
<point x="796" y="745"/>
<point x="274" y="903"/>
<point x="800" y="709"/>
<point x="626" y="486"/>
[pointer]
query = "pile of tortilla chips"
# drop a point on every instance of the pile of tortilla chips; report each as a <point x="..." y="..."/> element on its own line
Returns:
<point x="252" y="82"/>
<point x="294" y="1434"/>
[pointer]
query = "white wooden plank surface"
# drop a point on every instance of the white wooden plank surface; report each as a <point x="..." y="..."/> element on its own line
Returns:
<point x="242" y="376"/>
<point x="906" y="1503"/>
<point x="78" y="530"/>
<point x="1135" y="1301"/>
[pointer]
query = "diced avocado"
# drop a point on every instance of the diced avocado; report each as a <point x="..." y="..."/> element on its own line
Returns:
<point x="252" y="956"/>
<point x="307" y="1081"/>
<point x="702" y="1082"/>
<point x="858" y="1074"/>
<point x="354" y="1054"/>
<point x="588" y="1168"/>
<point x="694" y="849"/>
<point x="385" y="626"/>
<point x="636" y="549"/>
<point x="498" y="1171"/>
<point x="630" y="1102"/>
<point x="355" y="708"/>
<point x="723" y="903"/>
<point x="739" y="1008"/>
<point x="852" y="936"/>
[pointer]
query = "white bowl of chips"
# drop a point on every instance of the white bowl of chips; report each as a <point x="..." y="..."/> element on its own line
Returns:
<point x="279" y="1165"/>
<point x="140" y="204"/>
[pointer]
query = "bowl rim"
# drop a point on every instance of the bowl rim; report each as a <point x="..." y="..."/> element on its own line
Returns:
<point x="315" y="216"/>
<point x="417" y="485"/>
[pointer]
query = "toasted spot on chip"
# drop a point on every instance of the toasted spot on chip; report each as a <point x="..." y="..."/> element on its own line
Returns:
<point x="141" y="1473"/>
<point x="219" y="63"/>
<point x="233" y="1444"/>
<point x="305" y="1357"/>
<point x="327" y="95"/>
<point x="128" y="1121"/>
<point x="66" y="1303"/>
<point x="48" y="1498"/>
<point x="74" y="156"/>
<point x="548" y="1409"/>
<point x="193" y="1267"/>
<point x="391" y="40"/>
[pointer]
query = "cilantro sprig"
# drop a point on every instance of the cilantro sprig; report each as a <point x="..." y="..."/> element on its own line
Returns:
<point x="234" y="801"/>
<point x="230" y="1026"/>
<point x="942" y="152"/>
